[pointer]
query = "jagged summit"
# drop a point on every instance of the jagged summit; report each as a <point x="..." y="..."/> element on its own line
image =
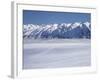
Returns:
<point x="63" y="30"/>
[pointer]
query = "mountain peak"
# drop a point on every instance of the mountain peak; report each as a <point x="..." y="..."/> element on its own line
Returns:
<point x="55" y="30"/>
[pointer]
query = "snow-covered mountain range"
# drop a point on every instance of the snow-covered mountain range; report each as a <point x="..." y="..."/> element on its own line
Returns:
<point x="63" y="30"/>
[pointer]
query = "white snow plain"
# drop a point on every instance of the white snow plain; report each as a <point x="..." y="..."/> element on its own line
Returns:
<point x="57" y="53"/>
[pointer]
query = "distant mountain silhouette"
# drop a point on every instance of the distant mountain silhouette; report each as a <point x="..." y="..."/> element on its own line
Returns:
<point x="60" y="31"/>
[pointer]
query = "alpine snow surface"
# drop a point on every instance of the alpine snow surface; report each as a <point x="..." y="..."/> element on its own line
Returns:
<point x="57" y="45"/>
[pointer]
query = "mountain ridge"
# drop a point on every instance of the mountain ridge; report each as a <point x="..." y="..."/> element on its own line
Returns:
<point x="63" y="30"/>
